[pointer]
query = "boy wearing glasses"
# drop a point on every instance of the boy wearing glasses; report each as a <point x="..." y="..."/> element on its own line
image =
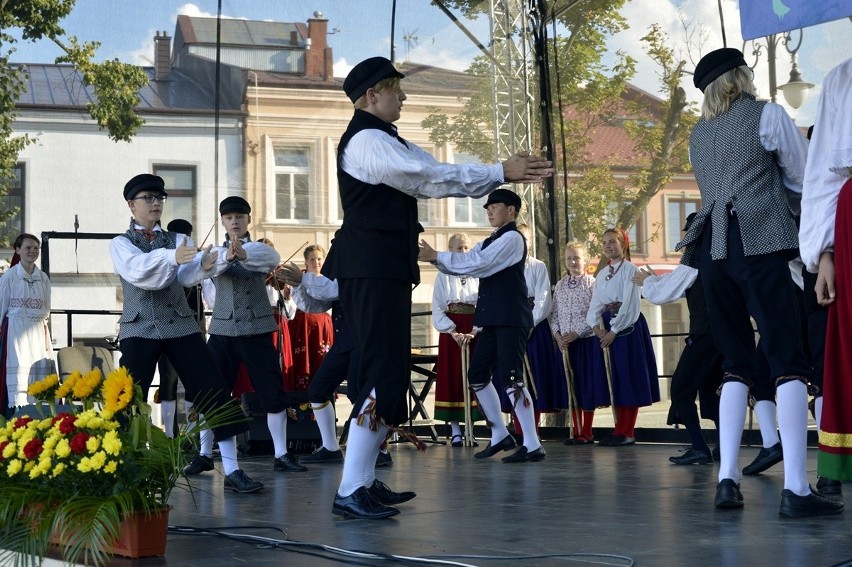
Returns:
<point x="157" y="320"/>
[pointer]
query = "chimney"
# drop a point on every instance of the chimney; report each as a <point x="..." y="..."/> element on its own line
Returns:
<point x="294" y="38"/>
<point x="162" y="56"/>
<point x="318" y="57"/>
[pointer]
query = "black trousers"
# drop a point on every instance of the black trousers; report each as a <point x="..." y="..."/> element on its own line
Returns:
<point x="263" y="364"/>
<point x="200" y="375"/>
<point x="378" y="311"/>
<point x="698" y="371"/>
<point x="758" y="286"/>
<point x="340" y="363"/>
<point x="499" y="352"/>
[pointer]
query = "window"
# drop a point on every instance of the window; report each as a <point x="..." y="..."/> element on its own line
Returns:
<point x="12" y="204"/>
<point x="181" y="186"/>
<point x="467" y="211"/>
<point x="677" y="209"/>
<point x="292" y="184"/>
<point x="638" y="237"/>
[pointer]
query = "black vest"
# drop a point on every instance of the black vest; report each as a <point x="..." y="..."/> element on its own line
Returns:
<point x="503" y="298"/>
<point x="378" y="237"/>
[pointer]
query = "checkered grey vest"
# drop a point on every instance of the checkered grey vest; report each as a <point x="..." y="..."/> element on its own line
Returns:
<point x="736" y="173"/>
<point x="155" y="314"/>
<point x="242" y="307"/>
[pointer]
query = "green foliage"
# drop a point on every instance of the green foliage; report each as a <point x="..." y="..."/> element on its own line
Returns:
<point x="116" y="85"/>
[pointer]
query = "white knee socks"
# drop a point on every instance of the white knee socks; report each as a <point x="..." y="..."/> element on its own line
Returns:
<point x="767" y="421"/>
<point x="324" y="415"/>
<point x="732" y="413"/>
<point x="489" y="403"/>
<point x="277" y="424"/>
<point x="793" y="423"/>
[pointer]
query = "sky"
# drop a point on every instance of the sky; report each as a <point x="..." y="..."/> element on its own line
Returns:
<point x="424" y="34"/>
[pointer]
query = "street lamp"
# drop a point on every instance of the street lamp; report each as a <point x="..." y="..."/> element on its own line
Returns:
<point x="796" y="88"/>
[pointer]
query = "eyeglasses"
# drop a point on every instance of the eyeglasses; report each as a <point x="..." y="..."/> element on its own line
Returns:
<point x="151" y="199"/>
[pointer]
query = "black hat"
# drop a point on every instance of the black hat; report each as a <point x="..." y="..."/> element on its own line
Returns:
<point x="689" y="218"/>
<point x="504" y="196"/>
<point x="234" y="204"/>
<point x="366" y="74"/>
<point x="143" y="182"/>
<point x="180" y="225"/>
<point x="714" y="64"/>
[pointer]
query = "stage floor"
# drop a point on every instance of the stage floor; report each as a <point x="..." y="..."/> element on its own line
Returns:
<point x="622" y="506"/>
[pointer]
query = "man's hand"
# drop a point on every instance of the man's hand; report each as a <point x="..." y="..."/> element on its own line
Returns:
<point x="290" y="274"/>
<point x="208" y="258"/>
<point x="427" y="253"/>
<point x="525" y="168"/>
<point x="236" y="251"/>
<point x="825" y="279"/>
<point x="185" y="254"/>
<point x="640" y="276"/>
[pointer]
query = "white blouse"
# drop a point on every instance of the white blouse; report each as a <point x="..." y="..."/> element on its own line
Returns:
<point x="828" y="165"/>
<point x="538" y="287"/>
<point x="451" y="289"/>
<point x="617" y="289"/>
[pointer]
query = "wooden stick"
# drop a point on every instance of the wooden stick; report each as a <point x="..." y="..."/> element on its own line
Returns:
<point x="215" y="222"/>
<point x="469" y="438"/>
<point x="301" y="247"/>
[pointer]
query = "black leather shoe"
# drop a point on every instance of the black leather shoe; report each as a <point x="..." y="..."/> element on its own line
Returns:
<point x="574" y="441"/>
<point x="765" y="458"/>
<point x="606" y="441"/>
<point x="362" y="506"/>
<point x="622" y="441"/>
<point x="829" y="487"/>
<point x="383" y="459"/>
<point x="457" y="441"/>
<point x="692" y="456"/>
<point x="522" y="456"/>
<point x="198" y="465"/>
<point x="238" y="481"/>
<point x="728" y="494"/>
<point x="380" y="491"/>
<point x="814" y="504"/>
<point x="287" y="463"/>
<point x="323" y="455"/>
<point x="490" y="450"/>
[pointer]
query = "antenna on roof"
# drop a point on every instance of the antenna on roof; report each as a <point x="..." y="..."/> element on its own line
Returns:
<point x="412" y="40"/>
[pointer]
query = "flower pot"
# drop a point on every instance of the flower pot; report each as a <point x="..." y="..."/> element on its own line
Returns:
<point x="139" y="535"/>
<point x="142" y="535"/>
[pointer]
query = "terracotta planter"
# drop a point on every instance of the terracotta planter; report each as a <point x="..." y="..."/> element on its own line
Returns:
<point x="141" y="535"/>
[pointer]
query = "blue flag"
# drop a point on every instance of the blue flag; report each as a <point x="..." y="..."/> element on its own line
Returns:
<point x="765" y="17"/>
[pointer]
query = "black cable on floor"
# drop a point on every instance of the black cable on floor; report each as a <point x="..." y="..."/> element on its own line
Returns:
<point x="369" y="557"/>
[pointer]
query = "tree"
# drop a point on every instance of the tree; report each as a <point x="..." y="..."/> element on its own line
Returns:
<point x="115" y="85"/>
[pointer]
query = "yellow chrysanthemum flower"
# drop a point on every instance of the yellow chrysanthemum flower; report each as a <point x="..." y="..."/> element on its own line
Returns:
<point x="68" y="385"/>
<point x="93" y="444"/>
<point x="58" y="470"/>
<point x="117" y="390"/>
<point x="63" y="448"/>
<point x="111" y="443"/>
<point x="14" y="467"/>
<point x="46" y="384"/>
<point x="111" y="467"/>
<point x="10" y="450"/>
<point x="87" y="384"/>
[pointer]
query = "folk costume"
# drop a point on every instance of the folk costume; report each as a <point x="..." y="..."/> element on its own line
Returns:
<point x="373" y="257"/>
<point x="571" y="301"/>
<point x="242" y="325"/>
<point x="746" y="161"/>
<point x="311" y="337"/>
<point x="28" y="350"/>
<point x="826" y="206"/>
<point x="503" y="312"/>
<point x="615" y="300"/>
<point x="156" y="320"/>
<point x="453" y="304"/>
